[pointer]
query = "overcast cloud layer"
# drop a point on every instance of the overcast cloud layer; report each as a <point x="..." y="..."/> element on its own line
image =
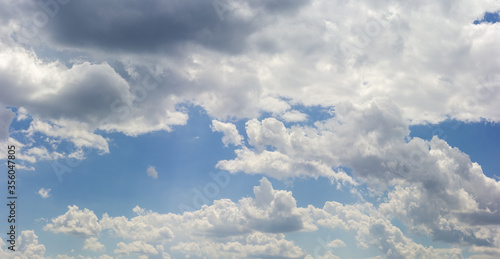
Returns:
<point x="76" y="70"/>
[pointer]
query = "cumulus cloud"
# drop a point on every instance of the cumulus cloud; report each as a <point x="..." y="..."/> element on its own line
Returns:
<point x="27" y="247"/>
<point x="44" y="193"/>
<point x="336" y="243"/>
<point x="137" y="247"/>
<point x="270" y="211"/>
<point x="146" y="228"/>
<point x="255" y="227"/>
<point x="292" y="154"/>
<point x="152" y="172"/>
<point x="80" y="223"/>
<point x="93" y="244"/>
<point x="231" y="135"/>
<point x="252" y="226"/>
<point x="255" y="245"/>
<point x="433" y="188"/>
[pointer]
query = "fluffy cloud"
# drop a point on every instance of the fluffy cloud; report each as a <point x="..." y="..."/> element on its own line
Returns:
<point x="372" y="230"/>
<point x="336" y="243"/>
<point x="231" y="135"/>
<point x="270" y="211"/>
<point x="27" y="247"/>
<point x="255" y="245"/>
<point x="433" y="188"/>
<point x="145" y="228"/>
<point x="255" y="227"/>
<point x="81" y="223"/>
<point x="251" y="227"/>
<point x="137" y="247"/>
<point x="44" y="193"/>
<point x="152" y="172"/>
<point x="93" y="244"/>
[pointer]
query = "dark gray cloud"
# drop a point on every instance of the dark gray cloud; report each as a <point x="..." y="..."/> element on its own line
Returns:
<point x="148" y="26"/>
<point x="82" y="93"/>
<point x="6" y="116"/>
<point x="279" y="6"/>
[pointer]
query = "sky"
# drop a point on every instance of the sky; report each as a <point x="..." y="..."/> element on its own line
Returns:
<point x="251" y="129"/>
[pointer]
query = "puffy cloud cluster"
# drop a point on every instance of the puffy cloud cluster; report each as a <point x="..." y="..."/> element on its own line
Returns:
<point x="93" y="244"/>
<point x="270" y="211"/>
<point x="137" y="247"/>
<point x="251" y="227"/>
<point x="254" y="245"/>
<point x="81" y="223"/>
<point x="256" y="227"/>
<point x="374" y="230"/>
<point x="27" y="247"/>
<point x="431" y="187"/>
<point x="312" y="151"/>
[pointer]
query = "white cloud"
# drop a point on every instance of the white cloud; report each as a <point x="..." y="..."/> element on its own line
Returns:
<point x="294" y="154"/>
<point x="44" y="193"/>
<point x="255" y="245"/>
<point x="22" y="114"/>
<point x="436" y="191"/>
<point x="372" y="229"/>
<point x="231" y="135"/>
<point x="93" y="244"/>
<point x="40" y="153"/>
<point x="138" y="247"/>
<point x="294" y="116"/>
<point x="152" y="172"/>
<point x="336" y="243"/>
<point x="81" y="223"/>
<point x="27" y="247"/>
<point x="147" y="228"/>
<point x="255" y="227"/>
<point x="274" y="105"/>
<point x="78" y="133"/>
<point x="271" y="211"/>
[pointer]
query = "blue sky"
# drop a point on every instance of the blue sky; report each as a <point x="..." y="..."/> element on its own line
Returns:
<point x="252" y="129"/>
